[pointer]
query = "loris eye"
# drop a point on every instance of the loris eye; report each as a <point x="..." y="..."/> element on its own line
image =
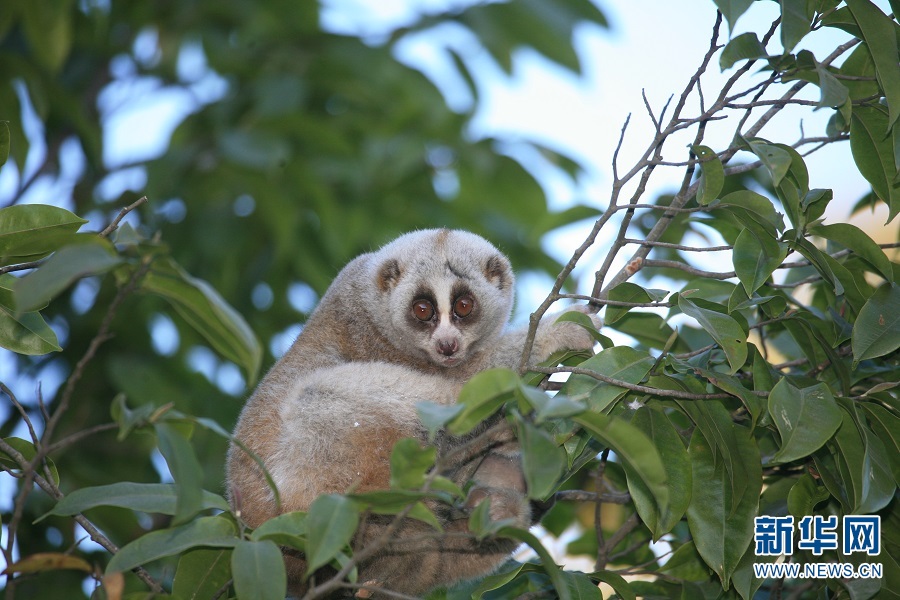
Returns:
<point x="423" y="310"/>
<point x="463" y="306"/>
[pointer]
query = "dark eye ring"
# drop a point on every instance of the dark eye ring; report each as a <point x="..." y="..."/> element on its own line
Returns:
<point x="423" y="310"/>
<point x="463" y="306"/>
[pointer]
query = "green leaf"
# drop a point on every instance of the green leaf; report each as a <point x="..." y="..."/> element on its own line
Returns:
<point x="158" y="498"/>
<point x="409" y="463"/>
<point x="712" y="174"/>
<point x="28" y="452"/>
<point x="481" y="397"/>
<point x="621" y="363"/>
<point x="648" y="329"/>
<point x="543" y="461"/>
<point x="436" y="416"/>
<point x="4" y="145"/>
<point x="722" y="534"/>
<point x="633" y="447"/>
<point x="795" y="23"/>
<point x="878" y="32"/>
<point x="331" y="522"/>
<point x="804" y="496"/>
<point x="25" y="333"/>
<point x="258" y="570"/>
<point x="629" y="292"/>
<point x="806" y="418"/>
<point x="747" y="206"/>
<point x="617" y="583"/>
<point x="579" y="318"/>
<point x="877" y="328"/>
<point x="31" y="231"/>
<point x="732" y="10"/>
<point x="493" y="582"/>
<point x="547" y="562"/>
<point x="201" y="573"/>
<point x="833" y="92"/>
<point x="68" y="264"/>
<point x="743" y="47"/>
<point x="657" y="427"/>
<point x="288" y="529"/>
<point x="874" y="155"/>
<point x="776" y="159"/>
<point x="207" y="312"/>
<point x="214" y="532"/>
<point x="755" y="258"/>
<point x="866" y="478"/>
<point x="723" y="329"/>
<point x="185" y="469"/>
<point x="854" y="238"/>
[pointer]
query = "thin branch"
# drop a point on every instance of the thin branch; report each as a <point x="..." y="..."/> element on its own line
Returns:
<point x="115" y="222"/>
<point x="678" y="246"/>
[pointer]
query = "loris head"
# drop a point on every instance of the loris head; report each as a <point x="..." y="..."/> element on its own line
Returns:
<point x="442" y="294"/>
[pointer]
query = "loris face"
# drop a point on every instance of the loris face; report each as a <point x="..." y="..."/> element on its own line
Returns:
<point x="447" y="293"/>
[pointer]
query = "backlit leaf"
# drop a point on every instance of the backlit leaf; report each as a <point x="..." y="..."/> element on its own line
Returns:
<point x="207" y="312"/>
<point x="70" y="263"/>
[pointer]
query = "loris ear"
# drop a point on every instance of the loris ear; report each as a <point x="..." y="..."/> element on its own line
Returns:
<point x="498" y="271"/>
<point x="388" y="275"/>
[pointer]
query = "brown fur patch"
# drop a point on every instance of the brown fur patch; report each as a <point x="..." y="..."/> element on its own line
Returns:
<point x="373" y="459"/>
<point x="496" y="270"/>
<point x="388" y="275"/>
<point x="441" y="239"/>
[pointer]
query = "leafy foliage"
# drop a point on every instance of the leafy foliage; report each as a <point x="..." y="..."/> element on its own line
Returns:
<point x="768" y="390"/>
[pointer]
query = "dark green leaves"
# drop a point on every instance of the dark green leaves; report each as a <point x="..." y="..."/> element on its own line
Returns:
<point x="877" y="328"/>
<point x="543" y="461"/>
<point x="258" y="570"/>
<point x="724" y="329"/>
<point x="878" y="33"/>
<point x="145" y="497"/>
<point x="331" y="523"/>
<point x="721" y="515"/>
<point x="712" y="174"/>
<point x="806" y="418"/>
<point x="216" y="532"/>
<point x="634" y="447"/>
<point x="743" y="47"/>
<point x="665" y="438"/>
<point x="482" y="396"/>
<point x="732" y="10"/>
<point x="874" y="153"/>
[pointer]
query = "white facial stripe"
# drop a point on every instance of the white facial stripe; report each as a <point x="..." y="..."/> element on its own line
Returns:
<point x="442" y="290"/>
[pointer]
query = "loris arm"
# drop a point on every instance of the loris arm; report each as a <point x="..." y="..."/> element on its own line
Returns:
<point x="550" y="337"/>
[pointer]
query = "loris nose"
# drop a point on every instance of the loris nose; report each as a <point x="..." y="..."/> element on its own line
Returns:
<point x="448" y="347"/>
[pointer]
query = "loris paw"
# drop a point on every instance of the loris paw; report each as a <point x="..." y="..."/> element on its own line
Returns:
<point x="554" y="335"/>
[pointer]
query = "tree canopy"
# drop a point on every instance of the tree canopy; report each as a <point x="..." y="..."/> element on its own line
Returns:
<point x="137" y="315"/>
